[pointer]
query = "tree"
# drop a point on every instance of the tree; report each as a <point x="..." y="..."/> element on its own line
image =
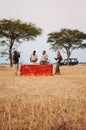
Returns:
<point x="4" y="54"/>
<point x="12" y="31"/>
<point x="67" y="39"/>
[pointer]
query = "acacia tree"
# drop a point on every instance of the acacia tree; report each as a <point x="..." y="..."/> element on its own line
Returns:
<point x="67" y="39"/>
<point x="13" y="31"/>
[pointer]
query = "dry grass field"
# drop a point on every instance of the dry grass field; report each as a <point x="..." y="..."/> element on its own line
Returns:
<point x="43" y="102"/>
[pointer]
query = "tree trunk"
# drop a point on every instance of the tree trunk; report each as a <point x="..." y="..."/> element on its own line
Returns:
<point x="68" y="55"/>
<point x="10" y="52"/>
<point x="10" y="57"/>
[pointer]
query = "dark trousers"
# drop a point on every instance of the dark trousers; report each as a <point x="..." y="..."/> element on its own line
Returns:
<point x="57" y="68"/>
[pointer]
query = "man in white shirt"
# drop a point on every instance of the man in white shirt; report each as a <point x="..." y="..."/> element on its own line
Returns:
<point x="44" y="57"/>
<point x="33" y="57"/>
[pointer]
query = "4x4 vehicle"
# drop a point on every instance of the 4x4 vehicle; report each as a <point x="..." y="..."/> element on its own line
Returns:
<point x="72" y="61"/>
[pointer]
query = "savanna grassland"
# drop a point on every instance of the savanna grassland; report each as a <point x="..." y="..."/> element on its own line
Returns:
<point x="55" y="102"/>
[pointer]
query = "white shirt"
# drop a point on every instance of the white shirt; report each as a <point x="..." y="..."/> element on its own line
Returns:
<point x="33" y="58"/>
<point x="44" y="57"/>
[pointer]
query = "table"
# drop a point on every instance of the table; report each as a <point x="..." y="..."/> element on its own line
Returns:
<point x="36" y="69"/>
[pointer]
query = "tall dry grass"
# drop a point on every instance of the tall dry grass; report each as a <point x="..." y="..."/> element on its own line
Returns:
<point x="43" y="102"/>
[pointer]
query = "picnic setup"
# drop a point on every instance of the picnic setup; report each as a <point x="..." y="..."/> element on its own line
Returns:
<point x="36" y="69"/>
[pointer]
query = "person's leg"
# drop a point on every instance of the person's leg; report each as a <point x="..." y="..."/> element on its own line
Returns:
<point x="57" y="69"/>
<point x="15" y="68"/>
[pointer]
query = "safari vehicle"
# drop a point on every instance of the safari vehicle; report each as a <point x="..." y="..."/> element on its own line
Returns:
<point x="72" y="61"/>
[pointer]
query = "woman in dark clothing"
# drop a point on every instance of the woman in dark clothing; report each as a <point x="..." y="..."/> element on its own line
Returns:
<point x="16" y="57"/>
<point x="58" y="59"/>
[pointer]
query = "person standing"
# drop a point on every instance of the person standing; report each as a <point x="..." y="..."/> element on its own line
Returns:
<point x="58" y="59"/>
<point x="33" y="57"/>
<point x="16" y="57"/>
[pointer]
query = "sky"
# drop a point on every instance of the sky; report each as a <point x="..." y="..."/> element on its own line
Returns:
<point x="50" y="16"/>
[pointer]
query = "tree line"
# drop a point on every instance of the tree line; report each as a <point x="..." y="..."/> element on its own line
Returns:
<point x="15" y="31"/>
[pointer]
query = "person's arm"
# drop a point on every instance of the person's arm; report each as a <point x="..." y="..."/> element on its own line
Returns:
<point x="36" y="58"/>
<point x="30" y="58"/>
<point x="55" y="58"/>
<point x="46" y="57"/>
<point x="18" y="54"/>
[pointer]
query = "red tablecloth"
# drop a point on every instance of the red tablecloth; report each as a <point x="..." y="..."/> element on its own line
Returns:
<point x="36" y="69"/>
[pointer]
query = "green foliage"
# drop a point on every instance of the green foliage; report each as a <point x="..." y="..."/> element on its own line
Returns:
<point x="15" y="31"/>
<point x="67" y="39"/>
